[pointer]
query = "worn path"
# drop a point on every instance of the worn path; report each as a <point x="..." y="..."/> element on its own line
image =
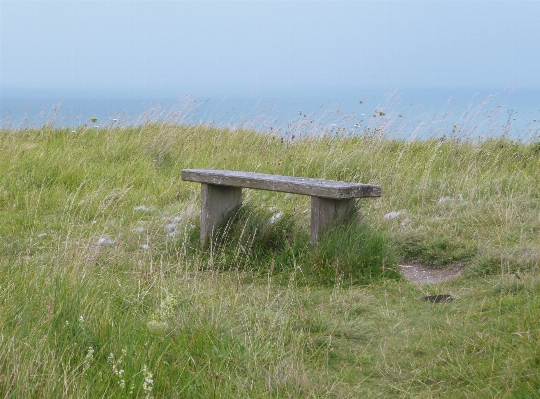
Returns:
<point x="422" y="274"/>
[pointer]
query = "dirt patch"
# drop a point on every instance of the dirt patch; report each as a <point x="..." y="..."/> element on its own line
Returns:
<point x="422" y="274"/>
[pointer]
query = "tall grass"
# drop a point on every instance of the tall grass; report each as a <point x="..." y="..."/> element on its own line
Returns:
<point x="106" y="292"/>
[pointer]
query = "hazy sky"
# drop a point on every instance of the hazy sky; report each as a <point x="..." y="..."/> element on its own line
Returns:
<point x="229" y="47"/>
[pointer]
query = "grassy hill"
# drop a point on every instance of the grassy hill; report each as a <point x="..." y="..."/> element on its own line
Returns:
<point x="106" y="292"/>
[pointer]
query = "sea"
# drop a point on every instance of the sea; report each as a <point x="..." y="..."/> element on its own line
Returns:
<point x="403" y="113"/>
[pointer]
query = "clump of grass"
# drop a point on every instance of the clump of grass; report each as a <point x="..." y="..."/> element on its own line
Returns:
<point x="254" y="239"/>
<point x="434" y="251"/>
<point x="353" y="253"/>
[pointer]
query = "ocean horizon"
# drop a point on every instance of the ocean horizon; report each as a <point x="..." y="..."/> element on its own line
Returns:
<point x="406" y="113"/>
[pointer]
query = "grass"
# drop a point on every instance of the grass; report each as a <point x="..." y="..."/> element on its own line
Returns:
<point x="106" y="292"/>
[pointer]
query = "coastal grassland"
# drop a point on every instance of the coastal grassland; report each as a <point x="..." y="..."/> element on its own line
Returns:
<point x="105" y="291"/>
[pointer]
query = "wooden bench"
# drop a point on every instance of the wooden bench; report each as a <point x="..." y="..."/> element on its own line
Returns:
<point x="221" y="194"/>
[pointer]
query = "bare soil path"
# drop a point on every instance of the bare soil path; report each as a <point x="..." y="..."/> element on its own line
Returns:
<point x="422" y="274"/>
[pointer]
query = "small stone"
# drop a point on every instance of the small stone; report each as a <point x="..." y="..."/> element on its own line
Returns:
<point x="142" y="208"/>
<point x="406" y="222"/>
<point x="393" y="215"/>
<point x="276" y="217"/>
<point x="105" y="241"/>
<point x="169" y="228"/>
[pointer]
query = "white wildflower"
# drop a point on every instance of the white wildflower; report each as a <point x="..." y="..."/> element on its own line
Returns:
<point x="148" y="384"/>
<point x="145" y="246"/>
<point x="166" y="307"/>
<point x="158" y="325"/>
<point x="88" y="358"/>
<point x="116" y="367"/>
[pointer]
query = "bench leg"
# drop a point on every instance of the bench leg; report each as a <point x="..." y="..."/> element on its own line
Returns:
<point x="217" y="202"/>
<point x="325" y="211"/>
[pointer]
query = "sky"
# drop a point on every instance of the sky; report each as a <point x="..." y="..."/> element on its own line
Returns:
<point x="233" y="47"/>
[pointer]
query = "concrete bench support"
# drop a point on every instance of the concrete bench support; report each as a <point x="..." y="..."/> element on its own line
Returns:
<point x="217" y="203"/>
<point x="331" y="201"/>
<point x="325" y="211"/>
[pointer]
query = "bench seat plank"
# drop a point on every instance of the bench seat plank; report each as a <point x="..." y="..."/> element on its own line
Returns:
<point x="295" y="185"/>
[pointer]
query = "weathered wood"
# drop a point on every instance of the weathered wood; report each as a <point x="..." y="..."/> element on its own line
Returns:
<point x="325" y="211"/>
<point x="331" y="200"/>
<point x="295" y="185"/>
<point x="217" y="203"/>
